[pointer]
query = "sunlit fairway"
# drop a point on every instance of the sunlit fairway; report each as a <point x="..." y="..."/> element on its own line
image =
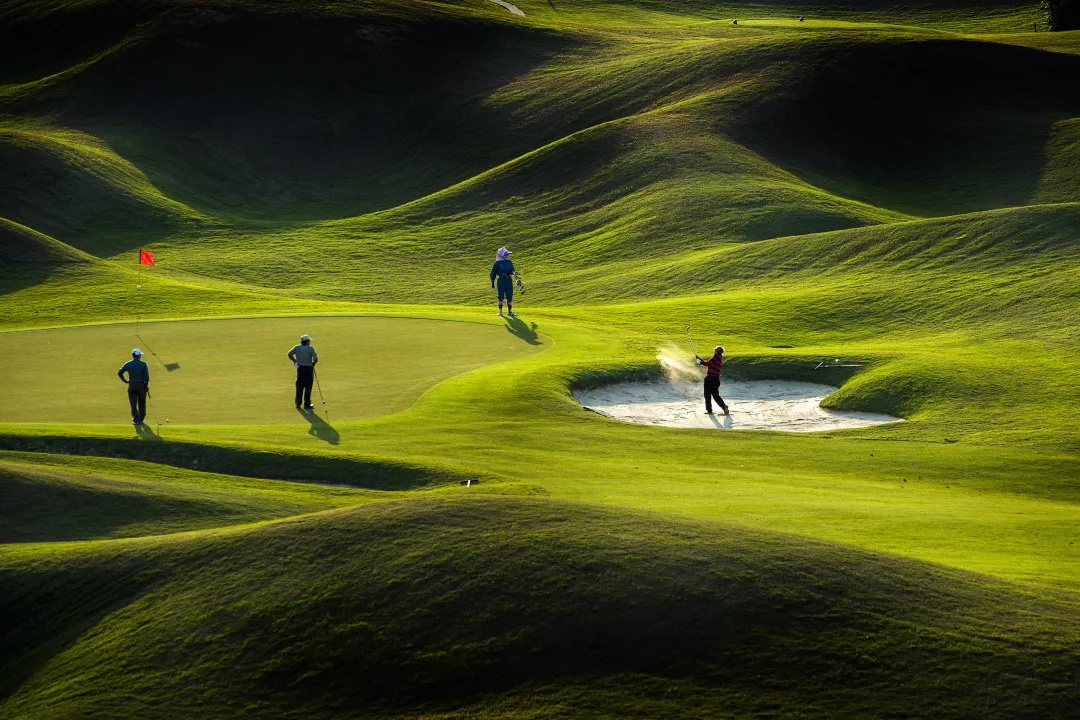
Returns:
<point x="881" y="197"/>
<point x="235" y="372"/>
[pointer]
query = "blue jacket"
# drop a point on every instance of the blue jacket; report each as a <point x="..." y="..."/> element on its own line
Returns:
<point x="137" y="371"/>
<point x="501" y="268"/>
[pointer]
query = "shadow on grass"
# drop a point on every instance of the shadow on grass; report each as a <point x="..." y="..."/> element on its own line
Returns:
<point x="144" y="432"/>
<point x="518" y="328"/>
<point x="169" y="367"/>
<point x="320" y="428"/>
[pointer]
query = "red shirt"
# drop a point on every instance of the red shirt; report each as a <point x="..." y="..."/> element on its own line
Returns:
<point x="714" y="364"/>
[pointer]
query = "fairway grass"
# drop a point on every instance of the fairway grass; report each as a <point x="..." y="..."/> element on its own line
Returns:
<point x="885" y="185"/>
<point x="235" y="372"/>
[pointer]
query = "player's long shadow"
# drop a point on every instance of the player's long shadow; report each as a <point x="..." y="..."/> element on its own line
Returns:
<point x="518" y="328"/>
<point x="320" y="428"/>
<point x="722" y="421"/>
<point x="145" y="433"/>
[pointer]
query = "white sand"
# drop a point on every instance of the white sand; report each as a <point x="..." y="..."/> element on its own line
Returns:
<point x="756" y="405"/>
<point x="512" y="8"/>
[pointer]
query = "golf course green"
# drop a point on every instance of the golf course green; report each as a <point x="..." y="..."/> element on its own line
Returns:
<point x="235" y="371"/>
<point x="881" y="197"/>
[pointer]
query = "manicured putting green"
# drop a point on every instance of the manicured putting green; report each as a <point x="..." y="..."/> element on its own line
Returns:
<point x="236" y="371"/>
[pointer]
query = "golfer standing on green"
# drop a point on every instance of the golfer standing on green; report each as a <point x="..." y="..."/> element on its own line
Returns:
<point x="305" y="358"/>
<point x="138" y="382"/>
<point x="502" y="277"/>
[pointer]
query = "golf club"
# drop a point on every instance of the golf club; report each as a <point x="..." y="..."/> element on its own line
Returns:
<point x="153" y="410"/>
<point x="692" y="345"/>
<point x="319" y="385"/>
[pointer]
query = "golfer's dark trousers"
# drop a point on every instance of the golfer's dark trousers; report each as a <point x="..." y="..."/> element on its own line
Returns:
<point x="712" y="392"/>
<point x="137" y="397"/>
<point x="305" y="378"/>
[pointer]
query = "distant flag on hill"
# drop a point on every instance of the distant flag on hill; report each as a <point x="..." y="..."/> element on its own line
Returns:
<point x="146" y="257"/>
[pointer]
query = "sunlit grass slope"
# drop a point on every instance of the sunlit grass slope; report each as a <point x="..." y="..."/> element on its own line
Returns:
<point x="883" y="182"/>
<point x="516" y="608"/>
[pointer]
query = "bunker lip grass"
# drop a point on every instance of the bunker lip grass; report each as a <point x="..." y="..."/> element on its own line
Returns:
<point x="755" y="405"/>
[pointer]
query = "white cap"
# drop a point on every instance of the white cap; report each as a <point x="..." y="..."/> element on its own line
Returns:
<point x="305" y="337"/>
<point x="136" y="351"/>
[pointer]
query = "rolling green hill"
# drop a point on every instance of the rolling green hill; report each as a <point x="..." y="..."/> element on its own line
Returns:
<point x="890" y="185"/>
<point x="525" y="609"/>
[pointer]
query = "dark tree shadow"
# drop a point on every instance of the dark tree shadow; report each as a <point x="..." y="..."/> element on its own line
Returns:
<point x="320" y="428"/>
<point x="518" y="328"/>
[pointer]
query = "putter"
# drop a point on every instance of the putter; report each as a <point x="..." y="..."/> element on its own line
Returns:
<point x="318" y="385"/>
<point x="153" y="410"/>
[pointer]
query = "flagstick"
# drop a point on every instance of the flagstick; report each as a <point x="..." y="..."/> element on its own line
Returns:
<point x="138" y="305"/>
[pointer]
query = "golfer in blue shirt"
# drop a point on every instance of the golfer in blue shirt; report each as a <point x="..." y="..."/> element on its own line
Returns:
<point x="305" y="358"/>
<point x="138" y="382"/>
<point x="502" y="276"/>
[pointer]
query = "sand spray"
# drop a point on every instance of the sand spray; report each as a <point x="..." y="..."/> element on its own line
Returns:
<point x="678" y="364"/>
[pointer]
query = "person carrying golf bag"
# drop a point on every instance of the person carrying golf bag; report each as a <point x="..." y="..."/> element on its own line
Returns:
<point x="138" y="382"/>
<point x="305" y="358"/>
<point x="713" y="366"/>
<point x="502" y="275"/>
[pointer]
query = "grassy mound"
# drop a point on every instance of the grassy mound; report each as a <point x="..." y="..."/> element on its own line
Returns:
<point x="44" y="500"/>
<point x="314" y="108"/>
<point x="654" y="166"/>
<point x="20" y="245"/>
<point x="928" y="127"/>
<point x="73" y="187"/>
<point x="432" y="606"/>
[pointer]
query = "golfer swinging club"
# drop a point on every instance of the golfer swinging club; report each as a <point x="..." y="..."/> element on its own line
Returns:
<point x="138" y="382"/>
<point x="305" y="358"/>
<point x="503" y="270"/>
<point x="712" y="379"/>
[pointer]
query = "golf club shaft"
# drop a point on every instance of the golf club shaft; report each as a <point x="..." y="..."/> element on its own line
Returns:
<point x="152" y="408"/>
<point x="318" y="384"/>
<point x="692" y="345"/>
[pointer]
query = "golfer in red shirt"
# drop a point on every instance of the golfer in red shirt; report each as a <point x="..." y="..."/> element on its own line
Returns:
<point x="713" y="366"/>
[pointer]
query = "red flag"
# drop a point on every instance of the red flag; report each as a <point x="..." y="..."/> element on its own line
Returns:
<point x="146" y="257"/>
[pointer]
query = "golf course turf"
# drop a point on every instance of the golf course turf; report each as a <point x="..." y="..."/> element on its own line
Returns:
<point x="880" y="196"/>
<point x="236" y="371"/>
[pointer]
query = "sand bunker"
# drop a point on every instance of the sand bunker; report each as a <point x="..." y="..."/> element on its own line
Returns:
<point x="512" y="8"/>
<point x="754" y="405"/>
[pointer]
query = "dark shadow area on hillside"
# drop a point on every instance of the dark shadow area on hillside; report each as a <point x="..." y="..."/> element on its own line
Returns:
<point x="80" y="198"/>
<point x="373" y="474"/>
<point x="28" y="258"/>
<point x="52" y="509"/>
<point x="49" y="42"/>
<point x="14" y="278"/>
<point x="65" y="601"/>
<point x="305" y="116"/>
<point x="527" y="332"/>
<point x="320" y="428"/>
<point x="928" y="127"/>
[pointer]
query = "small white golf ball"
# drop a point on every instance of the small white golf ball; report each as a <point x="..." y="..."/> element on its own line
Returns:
<point x="138" y="287"/>
<point x="166" y="419"/>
